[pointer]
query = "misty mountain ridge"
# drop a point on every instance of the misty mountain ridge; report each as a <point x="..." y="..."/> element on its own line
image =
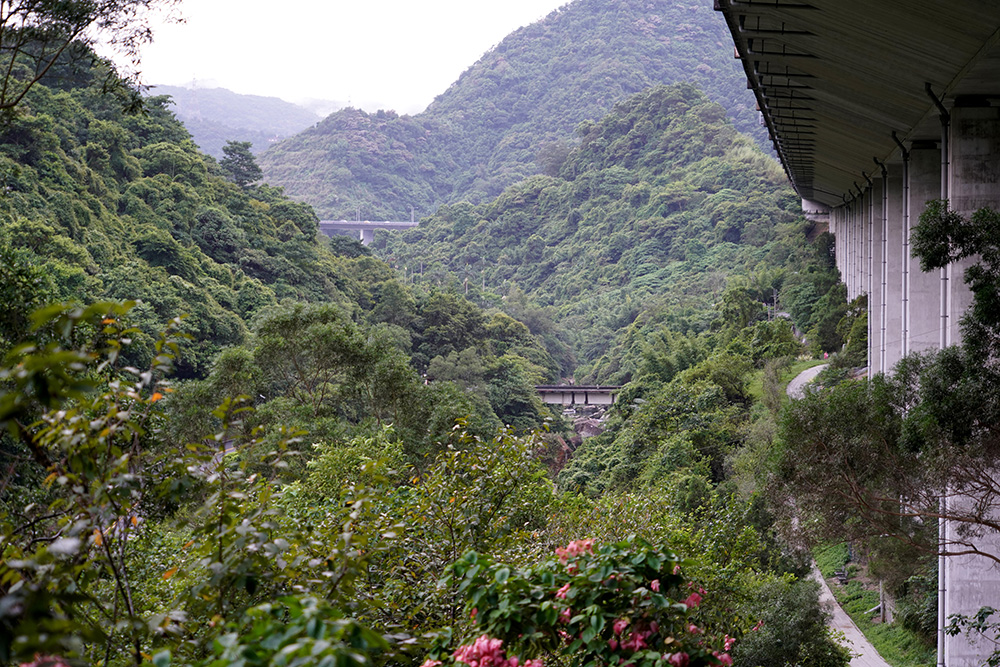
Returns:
<point x="508" y="113"/>
<point x="214" y="116"/>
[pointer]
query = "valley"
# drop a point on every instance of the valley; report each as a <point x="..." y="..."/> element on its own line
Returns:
<point x="233" y="439"/>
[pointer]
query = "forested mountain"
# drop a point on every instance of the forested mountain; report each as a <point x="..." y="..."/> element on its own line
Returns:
<point x="513" y="113"/>
<point x="103" y="205"/>
<point x="214" y="116"/>
<point x="662" y="202"/>
<point x="229" y="440"/>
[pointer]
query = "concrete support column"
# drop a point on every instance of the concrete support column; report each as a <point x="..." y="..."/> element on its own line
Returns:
<point x="854" y="282"/>
<point x="852" y="236"/>
<point x="975" y="184"/>
<point x="848" y="249"/>
<point x="873" y="269"/>
<point x="924" y="289"/>
<point x="893" y="267"/>
<point x="970" y="581"/>
<point x="864" y="237"/>
<point x="837" y="237"/>
<point x="845" y="221"/>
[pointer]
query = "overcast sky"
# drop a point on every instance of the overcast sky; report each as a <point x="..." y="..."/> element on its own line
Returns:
<point x="393" y="54"/>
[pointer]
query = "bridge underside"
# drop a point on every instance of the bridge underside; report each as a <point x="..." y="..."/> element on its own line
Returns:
<point x="364" y="229"/>
<point x="568" y="394"/>
<point x="876" y="107"/>
<point x="835" y="78"/>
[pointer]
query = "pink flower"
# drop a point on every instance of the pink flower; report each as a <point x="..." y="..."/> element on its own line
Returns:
<point x="678" y="659"/>
<point x="654" y="626"/>
<point x="574" y="549"/>
<point x="729" y="642"/>
<point x="484" y="652"/>
<point x="694" y="629"/>
<point x="472" y="614"/>
<point x="620" y="625"/>
<point x="693" y="601"/>
<point x="537" y="662"/>
<point x="724" y="659"/>
<point x="561" y="593"/>
<point x="45" y="661"/>
<point x="431" y="663"/>
<point x="613" y="644"/>
<point x="677" y="570"/>
<point x="636" y="641"/>
<point x="565" y="615"/>
<point x="654" y="585"/>
<point x="759" y="625"/>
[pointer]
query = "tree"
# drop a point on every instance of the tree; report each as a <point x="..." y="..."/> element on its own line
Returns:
<point x="38" y="34"/>
<point x="936" y="417"/>
<point x="239" y="165"/>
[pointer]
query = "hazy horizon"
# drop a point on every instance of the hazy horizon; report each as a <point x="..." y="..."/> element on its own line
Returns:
<point x="392" y="55"/>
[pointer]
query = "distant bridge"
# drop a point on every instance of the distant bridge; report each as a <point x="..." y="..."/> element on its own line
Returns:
<point x="365" y="228"/>
<point x="578" y="394"/>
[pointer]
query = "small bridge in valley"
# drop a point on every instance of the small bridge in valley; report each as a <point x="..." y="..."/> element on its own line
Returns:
<point x="578" y="394"/>
<point x="365" y="228"/>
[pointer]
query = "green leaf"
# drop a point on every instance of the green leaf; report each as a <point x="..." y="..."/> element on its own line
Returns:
<point x="502" y="575"/>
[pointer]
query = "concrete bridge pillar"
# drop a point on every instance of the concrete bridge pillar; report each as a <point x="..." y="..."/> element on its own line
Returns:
<point x="974" y="184"/>
<point x="837" y="237"/>
<point x="970" y="581"/>
<point x="852" y="251"/>
<point x="873" y="279"/>
<point x="856" y="247"/>
<point x="867" y="241"/>
<point x="892" y="268"/>
<point x="843" y="242"/>
<point x="924" y="289"/>
<point x="861" y="215"/>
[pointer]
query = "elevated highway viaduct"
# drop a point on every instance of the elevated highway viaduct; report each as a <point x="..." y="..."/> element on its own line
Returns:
<point x="364" y="228"/>
<point x="876" y="107"/>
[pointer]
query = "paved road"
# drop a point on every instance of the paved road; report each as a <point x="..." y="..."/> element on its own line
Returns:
<point x="865" y="654"/>
<point x="797" y="387"/>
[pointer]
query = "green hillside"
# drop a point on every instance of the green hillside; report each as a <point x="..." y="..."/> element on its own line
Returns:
<point x="660" y="205"/>
<point x="214" y="116"/>
<point x="102" y="205"/>
<point x="230" y="441"/>
<point x="512" y="113"/>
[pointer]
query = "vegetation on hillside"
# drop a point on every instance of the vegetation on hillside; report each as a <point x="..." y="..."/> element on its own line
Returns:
<point x="236" y="442"/>
<point x="664" y="225"/>
<point x="512" y="113"/>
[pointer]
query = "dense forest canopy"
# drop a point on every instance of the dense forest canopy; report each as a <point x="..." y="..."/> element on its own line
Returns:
<point x="662" y="203"/>
<point x="511" y="112"/>
<point x="229" y="440"/>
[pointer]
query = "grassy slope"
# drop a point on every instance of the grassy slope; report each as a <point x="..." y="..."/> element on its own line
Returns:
<point x="897" y="645"/>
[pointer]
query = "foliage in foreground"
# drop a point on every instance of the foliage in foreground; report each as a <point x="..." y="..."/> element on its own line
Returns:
<point x="133" y="551"/>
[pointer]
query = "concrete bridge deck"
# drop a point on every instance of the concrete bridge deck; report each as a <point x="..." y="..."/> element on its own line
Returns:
<point x="578" y="394"/>
<point x="365" y="228"/>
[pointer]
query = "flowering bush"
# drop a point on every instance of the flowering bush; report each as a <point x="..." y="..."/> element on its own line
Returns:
<point x="620" y="604"/>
